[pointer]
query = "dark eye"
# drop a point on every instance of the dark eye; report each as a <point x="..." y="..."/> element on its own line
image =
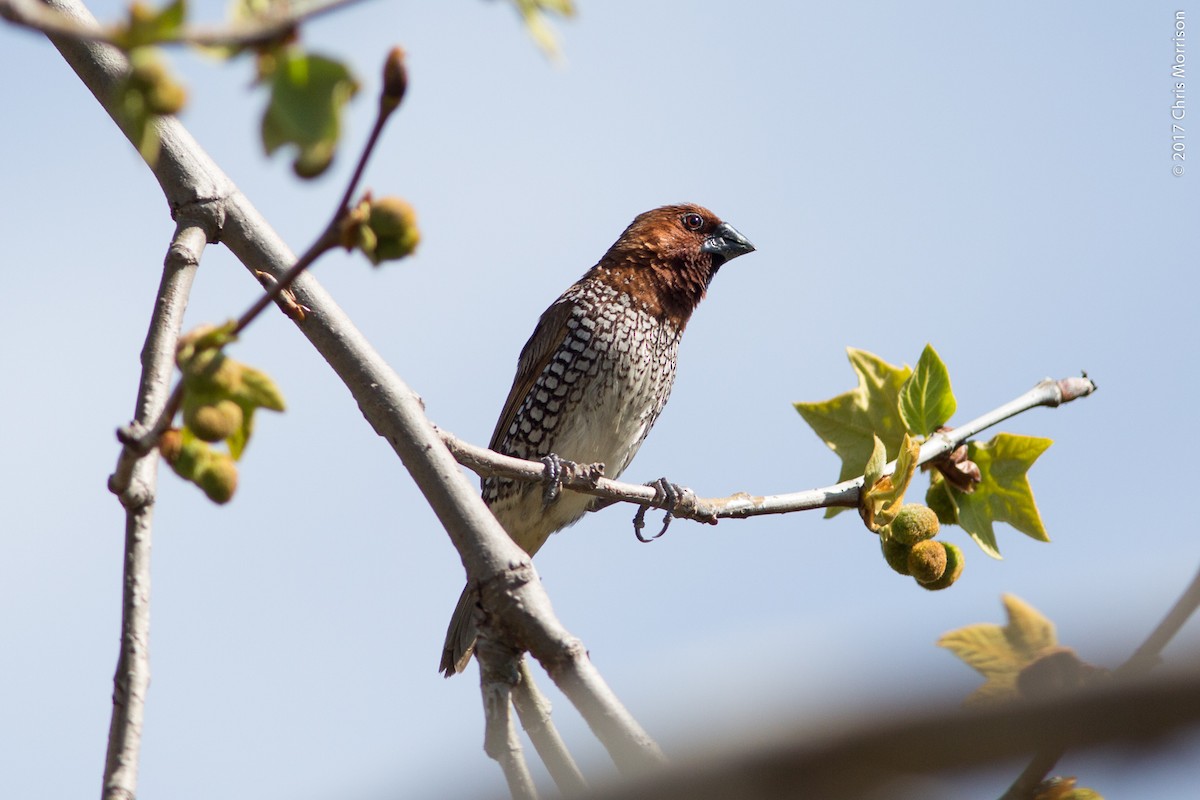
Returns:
<point x="693" y="222"/>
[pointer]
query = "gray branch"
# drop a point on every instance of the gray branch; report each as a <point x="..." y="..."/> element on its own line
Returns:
<point x="587" y="478"/>
<point x="832" y="763"/>
<point x="534" y="711"/>
<point x="498" y="675"/>
<point x="134" y="483"/>
<point x="196" y="188"/>
<point x="44" y="17"/>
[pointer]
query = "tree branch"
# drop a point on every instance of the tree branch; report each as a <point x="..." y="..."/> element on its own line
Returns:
<point x="587" y="479"/>
<point x="517" y="615"/>
<point x="534" y="711"/>
<point x="134" y="482"/>
<point x="38" y="16"/>
<point x="191" y="181"/>
<point x="498" y="675"/>
<point x="1144" y="659"/>
<point x="831" y="763"/>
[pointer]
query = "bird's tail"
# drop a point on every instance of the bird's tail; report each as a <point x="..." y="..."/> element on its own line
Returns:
<point x="460" y="636"/>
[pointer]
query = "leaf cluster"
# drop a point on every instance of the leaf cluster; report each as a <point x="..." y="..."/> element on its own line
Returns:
<point x="877" y="421"/>
<point x="220" y="396"/>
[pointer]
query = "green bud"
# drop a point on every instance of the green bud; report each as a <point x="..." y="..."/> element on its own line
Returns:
<point x="170" y="445"/>
<point x="212" y="422"/>
<point x="914" y="523"/>
<point x="217" y="477"/>
<point x="927" y="561"/>
<point x="395" y="225"/>
<point x="395" y="81"/>
<point x="954" y="568"/>
<point x="150" y="78"/>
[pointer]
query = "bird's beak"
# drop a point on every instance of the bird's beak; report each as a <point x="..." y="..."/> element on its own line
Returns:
<point x="725" y="243"/>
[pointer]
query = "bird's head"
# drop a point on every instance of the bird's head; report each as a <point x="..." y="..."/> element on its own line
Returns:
<point x="667" y="257"/>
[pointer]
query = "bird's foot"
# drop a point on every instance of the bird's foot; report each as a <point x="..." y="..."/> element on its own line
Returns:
<point x="552" y="476"/>
<point x="665" y="493"/>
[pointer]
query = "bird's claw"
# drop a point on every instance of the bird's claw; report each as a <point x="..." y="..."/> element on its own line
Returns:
<point x="552" y="477"/>
<point x="666" y="493"/>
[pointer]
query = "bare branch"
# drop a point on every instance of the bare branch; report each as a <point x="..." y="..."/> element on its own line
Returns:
<point x="190" y="180"/>
<point x="586" y="478"/>
<point x="134" y="482"/>
<point x="1144" y="659"/>
<point x="520" y="613"/>
<point x="831" y="763"/>
<point x="43" y="17"/>
<point x="498" y="674"/>
<point x="534" y="711"/>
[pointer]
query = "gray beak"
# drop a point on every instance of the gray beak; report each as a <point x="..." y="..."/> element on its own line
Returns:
<point x="725" y="243"/>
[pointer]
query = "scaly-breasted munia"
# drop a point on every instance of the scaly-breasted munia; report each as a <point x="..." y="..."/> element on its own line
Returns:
<point x="596" y="373"/>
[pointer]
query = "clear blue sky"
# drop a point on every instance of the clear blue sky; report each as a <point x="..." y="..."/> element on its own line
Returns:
<point x="993" y="178"/>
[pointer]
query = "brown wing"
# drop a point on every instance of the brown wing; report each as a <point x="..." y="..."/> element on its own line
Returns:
<point x="547" y="336"/>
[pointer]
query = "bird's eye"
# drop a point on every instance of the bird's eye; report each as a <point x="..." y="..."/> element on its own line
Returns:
<point x="693" y="222"/>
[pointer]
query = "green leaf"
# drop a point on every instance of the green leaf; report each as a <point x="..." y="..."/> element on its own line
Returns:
<point x="213" y="382"/>
<point x="940" y="498"/>
<point x="926" y="400"/>
<point x="882" y="497"/>
<point x="1003" y="494"/>
<point x="1000" y="653"/>
<point x="308" y="93"/>
<point x="258" y="390"/>
<point x="145" y="93"/>
<point x="875" y="464"/>
<point x="849" y="423"/>
<point x="533" y="14"/>
<point x="147" y="25"/>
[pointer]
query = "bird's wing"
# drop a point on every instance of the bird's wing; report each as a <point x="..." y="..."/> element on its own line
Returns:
<point x="549" y="333"/>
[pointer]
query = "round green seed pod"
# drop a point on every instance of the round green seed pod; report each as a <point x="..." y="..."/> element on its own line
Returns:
<point x="213" y="422"/>
<point x="395" y="224"/>
<point x="954" y="568"/>
<point x="927" y="561"/>
<point x="895" y="554"/>
<point x="218" y="477"/>
<point x="914" y="523"/>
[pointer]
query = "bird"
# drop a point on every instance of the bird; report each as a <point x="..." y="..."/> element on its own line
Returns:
<point x="595" y="375"/>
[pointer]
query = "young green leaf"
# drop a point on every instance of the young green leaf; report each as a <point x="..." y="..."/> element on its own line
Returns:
<point x="926" y="400"/>
<point x="221" y="394"/>
<point x="849" y="423"/>
<point x="1003" y="493"/>
<point x="308" y="93"/>
<point x="1000" y="653"/>
<point x="533" y="11"/>
<point x="147" y="25"/>
<point x="147" y="92"/>
<point x="875" y="464"/>
<point x="882" y="497"/>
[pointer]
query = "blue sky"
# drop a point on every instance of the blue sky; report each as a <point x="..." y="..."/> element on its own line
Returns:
<point x="993" y="179"/>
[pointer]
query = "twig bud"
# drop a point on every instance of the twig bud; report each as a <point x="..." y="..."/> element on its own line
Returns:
<point x="395" y="81"/>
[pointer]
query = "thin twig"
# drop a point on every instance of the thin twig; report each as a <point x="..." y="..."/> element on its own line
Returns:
<point x="587" y="480"/>
<point x="534" y="711"/>
<point x="1144" y="659"/>
<point x="514" y="600"/>
<point x="34" y="15"/>
<point x="330" y="237"/>
<point x="139" y="438"/>
<point x="498" y="674"/>
<point x="135" y="485"/>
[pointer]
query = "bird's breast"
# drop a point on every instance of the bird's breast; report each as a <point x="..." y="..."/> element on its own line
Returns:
<point x="595" y="399"/>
